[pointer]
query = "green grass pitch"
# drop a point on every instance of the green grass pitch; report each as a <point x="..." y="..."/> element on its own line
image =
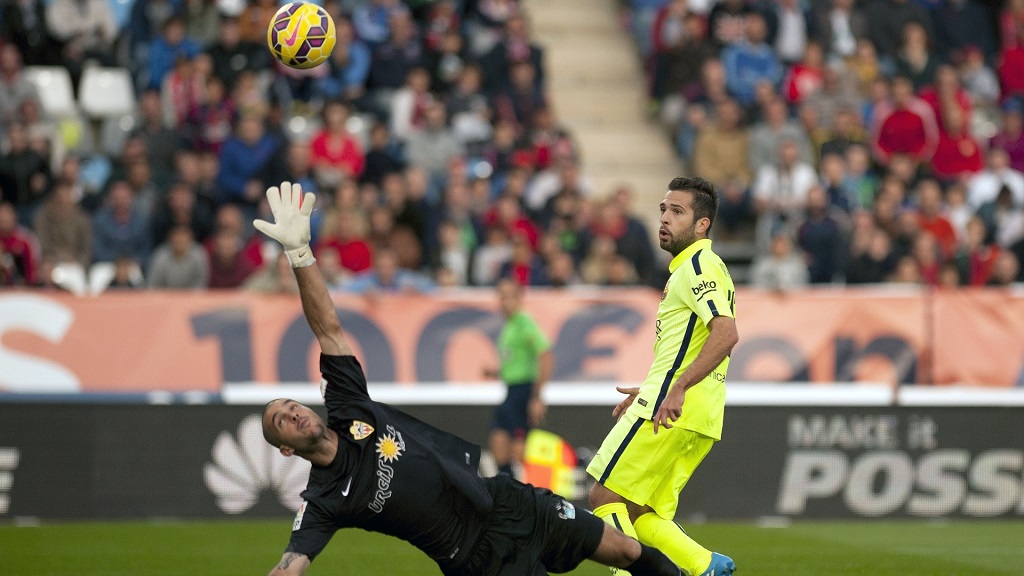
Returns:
<point x="237" y="547"/>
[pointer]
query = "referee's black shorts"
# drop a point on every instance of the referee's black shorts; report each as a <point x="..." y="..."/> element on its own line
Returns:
<point x="531" y="532"/>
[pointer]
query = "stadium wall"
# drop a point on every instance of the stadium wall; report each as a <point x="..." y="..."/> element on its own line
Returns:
<point x="78" y="461"/>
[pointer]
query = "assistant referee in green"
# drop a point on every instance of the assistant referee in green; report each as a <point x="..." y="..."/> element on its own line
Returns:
<point x="525" y="356"/>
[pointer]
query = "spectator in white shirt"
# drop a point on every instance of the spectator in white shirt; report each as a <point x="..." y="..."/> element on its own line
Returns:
<point x="984" y="186"/>
<point x="780" y="191"/>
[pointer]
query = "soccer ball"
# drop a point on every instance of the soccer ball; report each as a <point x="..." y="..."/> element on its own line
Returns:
<point x="301" y="35"/>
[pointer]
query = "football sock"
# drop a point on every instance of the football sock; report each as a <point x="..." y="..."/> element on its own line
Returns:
<point x="669" y="537"/>
<point x="617" y="515"/>
<point x="653" y="563"/>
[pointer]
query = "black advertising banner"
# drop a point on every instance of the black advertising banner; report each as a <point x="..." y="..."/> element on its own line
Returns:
<point x="67" y="461"/>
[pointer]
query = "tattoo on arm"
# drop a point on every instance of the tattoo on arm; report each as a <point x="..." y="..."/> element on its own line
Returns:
<point x="286" y="560"/>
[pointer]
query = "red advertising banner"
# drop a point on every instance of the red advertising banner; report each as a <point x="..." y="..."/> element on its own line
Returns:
<point x="144" y="341"/>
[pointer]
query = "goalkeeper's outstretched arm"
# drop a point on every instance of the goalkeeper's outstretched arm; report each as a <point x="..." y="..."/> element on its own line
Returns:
<point x="291" y="228"/>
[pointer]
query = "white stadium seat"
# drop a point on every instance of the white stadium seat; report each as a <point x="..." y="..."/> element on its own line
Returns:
<point x="105" y="92"/>
<point x="56" y="95"/>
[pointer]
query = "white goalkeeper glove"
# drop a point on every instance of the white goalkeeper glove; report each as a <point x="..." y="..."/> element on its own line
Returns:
<point x="291" y="222"/>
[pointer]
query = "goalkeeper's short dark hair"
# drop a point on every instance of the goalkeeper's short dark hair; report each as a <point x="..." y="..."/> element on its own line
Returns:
<point x="705" y="197"/>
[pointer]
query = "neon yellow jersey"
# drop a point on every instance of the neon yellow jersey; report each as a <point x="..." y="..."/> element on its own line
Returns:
<point x="699" y="289"/>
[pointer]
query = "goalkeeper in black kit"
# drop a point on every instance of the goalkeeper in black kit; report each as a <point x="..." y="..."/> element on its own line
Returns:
<point x="379" y="469"/>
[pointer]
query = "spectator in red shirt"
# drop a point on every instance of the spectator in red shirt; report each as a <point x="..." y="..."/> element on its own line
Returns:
<point x="947" y="90"/>
<point x="1011" y="136"/>
<point x="932" y="220"/>
<point x="336" y="153"/>
<point x="229" y="267"/>
<point x="977" y="259"/>
<point x="806" y="76"/>
<point x="958" y="154"/>
<point x="508" y="214"/>
<point x="19" y="252"/>
<point x="343" y="232"/>
<point x="906" y="126"/>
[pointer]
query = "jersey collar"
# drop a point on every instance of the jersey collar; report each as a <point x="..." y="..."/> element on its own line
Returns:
<point x="688" y="253"/>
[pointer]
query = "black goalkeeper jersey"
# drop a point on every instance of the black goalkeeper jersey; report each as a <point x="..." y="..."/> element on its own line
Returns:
<point x="392" y="474"/>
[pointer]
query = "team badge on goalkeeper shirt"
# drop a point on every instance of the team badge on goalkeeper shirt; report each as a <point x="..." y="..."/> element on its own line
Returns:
<point x="360" y="430"/>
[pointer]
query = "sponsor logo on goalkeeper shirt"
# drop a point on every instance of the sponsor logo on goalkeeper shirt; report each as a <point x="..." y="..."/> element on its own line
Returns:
<point x="390" y="447"/>
<point x="242" y="466"/>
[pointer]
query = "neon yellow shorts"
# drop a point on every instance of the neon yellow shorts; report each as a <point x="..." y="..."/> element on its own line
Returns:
<point x="647" y="469"/>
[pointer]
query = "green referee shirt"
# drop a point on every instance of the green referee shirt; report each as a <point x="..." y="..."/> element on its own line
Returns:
<point x="520" y="344"/>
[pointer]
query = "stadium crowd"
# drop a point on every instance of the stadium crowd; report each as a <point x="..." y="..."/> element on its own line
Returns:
<point x="844" y="152"/>
<point x="860" y="141"/>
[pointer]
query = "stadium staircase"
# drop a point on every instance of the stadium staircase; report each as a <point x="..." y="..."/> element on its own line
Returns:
<point x="597" y="89"/>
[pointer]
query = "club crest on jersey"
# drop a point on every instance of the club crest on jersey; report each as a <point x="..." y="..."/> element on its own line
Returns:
<point x="664" y="292"/>
<point x="360" y="430"/>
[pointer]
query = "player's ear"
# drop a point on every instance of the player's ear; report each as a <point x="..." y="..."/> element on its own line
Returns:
<point x="286" y="451"/>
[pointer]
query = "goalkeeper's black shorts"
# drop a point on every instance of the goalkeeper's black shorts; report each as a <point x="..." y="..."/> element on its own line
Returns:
<point x="531" y="532"/>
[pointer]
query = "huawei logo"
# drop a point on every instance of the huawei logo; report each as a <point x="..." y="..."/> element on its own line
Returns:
<point x="8" y="464"/>
<point x="244" y="465"/>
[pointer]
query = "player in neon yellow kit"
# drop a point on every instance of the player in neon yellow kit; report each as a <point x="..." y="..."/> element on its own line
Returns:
<point x="668" y="424"/>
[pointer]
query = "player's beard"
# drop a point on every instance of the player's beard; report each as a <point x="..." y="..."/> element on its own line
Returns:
<point x="676" y="244"/>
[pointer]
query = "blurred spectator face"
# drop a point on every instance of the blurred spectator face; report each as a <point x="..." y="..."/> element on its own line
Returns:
<point x="976" y="232"/>
<point x="947" y="81"/>
<point x="929" y="197"/>
<point x="230" y="32"/>
<point x="63" y="195"/>
<point x="953" y="119"/>
<point x="150" y="107"/>
<point x="393" y="187"/>
<point x="754" y="28"/>
<point x="781" y="247"/>
<point x="180" y="240"/>
<point x="226" y="245"/>
<point x="880" y="246"/>
<point x="120" y="197"/>
<point x="209" y="165"/>
<point x="349" y="226"/>
<point x="817" y="200"/>
<point x="914" y="37"/>
<point x="335" y="116"/>
<point x="510" y="297"/>
<point x="789" y="154"/>
<point x="298" y="158"/>
<point x="17" y="138"/>
<point x="728" y="115"/>
<point x="902" y="90"/>
<point x="418" y="80"/>
<point x="343" y="31"/>
<point x="507" y="210"/>
<point x="496" y="236"/>
<point x="229" y="218"/>
<point x="139" y="174"/>
<point x="998" y="160"/>
<point x="522" y="76"/>
<point x="776" y="112"/>
<point x="561" y="269"/>
<point x="1005" y="269"/>
<point x="402" y="28"/>
<point x="857" y="159"/>
<point x="521" y="252"/>
<point x="181" y="199"/>
<point x="865" y="49"/>
<point x="1013" y="121"/>
<point x="515" y="27"/>
<point x="925" y="249"/>
<point x="602" y="248"/>
<point x="174" y="31"/>
<point x="833" y="169"/>
<point x="470" y="80"/>
<point x="250" y="129"/>
<point x="713" y="73"/>
<point x="909" y="223"/>
<point x="956" y="195"/>
<point x="620" y="272"/>
<point x="416" y="183"/>
<point x="906" y="272"/>
<point x="813" y="57"/>
<point x="382" y="221"/>
<point x="379" y="136"/>
<point x="949" y="276"/>
<point x="695" y="26"/>
<point x="8" y="219"/>
<point x="436" y="116"/>
<point x="845" y="122"/>
<point x="448" y="235"/>
<point x="385" y="263"/>
<point x="10" y="60"/>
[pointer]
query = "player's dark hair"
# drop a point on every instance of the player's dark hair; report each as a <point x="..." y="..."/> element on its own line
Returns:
<point x="705" y="197"/>
<point x="268" y="434"/>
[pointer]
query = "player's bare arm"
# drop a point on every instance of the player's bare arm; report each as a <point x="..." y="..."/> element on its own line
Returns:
<point x="722" y="336"/>
<point x="537" y="407"/>
<point x="291" y="564"/>
<point x="291" y="228"/>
